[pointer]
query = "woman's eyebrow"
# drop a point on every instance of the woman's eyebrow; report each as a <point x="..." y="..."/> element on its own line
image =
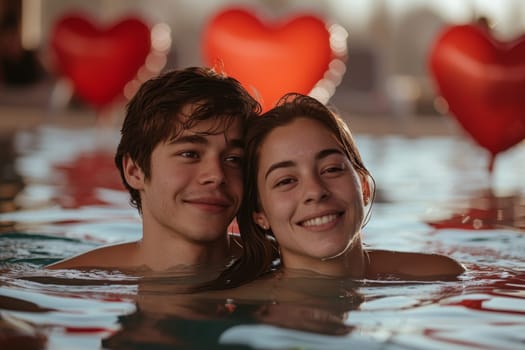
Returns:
<point x="284" y="164"/>
<point x="288" y="163"/>
<point x="327" y="152"/>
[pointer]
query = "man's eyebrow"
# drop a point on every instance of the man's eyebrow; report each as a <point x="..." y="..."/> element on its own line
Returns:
<point x="288" y="163"/>
<point x="201" y="139"/>
<point x="236" y="143"/>
<point x="189" y="139"/>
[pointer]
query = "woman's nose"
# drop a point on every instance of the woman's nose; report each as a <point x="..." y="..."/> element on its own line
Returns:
<point x="315" y="190"/>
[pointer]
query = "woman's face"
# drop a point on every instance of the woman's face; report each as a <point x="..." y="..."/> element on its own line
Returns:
<point x="310" y="194"/>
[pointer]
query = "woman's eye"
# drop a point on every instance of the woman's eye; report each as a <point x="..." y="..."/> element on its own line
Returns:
<point x="284" y="182"/>
<point x="333" y="169"/>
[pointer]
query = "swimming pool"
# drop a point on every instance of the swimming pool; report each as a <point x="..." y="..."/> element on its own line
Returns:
<point x="60" y="195"/>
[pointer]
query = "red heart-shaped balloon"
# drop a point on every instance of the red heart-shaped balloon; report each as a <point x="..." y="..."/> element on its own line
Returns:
<point x="269" y="59"/>
<point x="483" y="82"/>
<point x="99" y="61"/>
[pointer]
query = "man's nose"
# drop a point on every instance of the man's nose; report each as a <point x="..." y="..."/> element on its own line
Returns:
<point x="212" y="172"/>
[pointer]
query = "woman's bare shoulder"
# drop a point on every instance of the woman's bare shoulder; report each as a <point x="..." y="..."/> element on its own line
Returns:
<point x="111" y="256"/>
<point x="423" y="266"/>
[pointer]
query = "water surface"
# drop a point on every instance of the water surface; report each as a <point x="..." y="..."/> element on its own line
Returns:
<point x="60" y="195"/>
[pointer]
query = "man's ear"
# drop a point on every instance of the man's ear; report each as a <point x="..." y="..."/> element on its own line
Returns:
<point x="261" y="220"/>
<point x="133" y="173"/>
<point x="366" y="188"/>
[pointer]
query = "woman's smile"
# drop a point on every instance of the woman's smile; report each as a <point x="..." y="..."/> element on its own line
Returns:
<point x="321" y="222"/>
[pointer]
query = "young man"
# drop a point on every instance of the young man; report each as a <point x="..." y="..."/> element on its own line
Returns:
<point x="180" y="157"/>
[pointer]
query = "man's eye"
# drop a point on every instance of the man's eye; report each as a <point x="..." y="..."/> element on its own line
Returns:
<point x="189" y="154"/>
<point x="234" y="160"/>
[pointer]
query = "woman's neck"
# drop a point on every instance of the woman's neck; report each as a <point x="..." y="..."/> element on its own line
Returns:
<point x="353" y="263"/>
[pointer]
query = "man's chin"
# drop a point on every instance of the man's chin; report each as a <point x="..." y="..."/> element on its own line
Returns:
<point x="205" y="235"/>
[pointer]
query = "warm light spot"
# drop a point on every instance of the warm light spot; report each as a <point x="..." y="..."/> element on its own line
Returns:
<point x="338" y="37"/>
<point x="131" y="88"/>
<point x="161" y="37"/>
<point x="31" y="24"/>
<point x="441" y="105"/>
<point x="155" y="61"/>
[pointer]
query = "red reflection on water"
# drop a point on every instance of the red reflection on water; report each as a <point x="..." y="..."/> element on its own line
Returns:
<point x="479" y="304"/>
<point x="88" y="330"/>
<point x="499" y="296"/>
<point x="487" y="211"/>
<point x="84" y="175"/>
<point x="509" y="287"/>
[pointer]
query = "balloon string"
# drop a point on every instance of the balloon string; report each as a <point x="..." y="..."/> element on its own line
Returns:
<point x="491" y="163"/>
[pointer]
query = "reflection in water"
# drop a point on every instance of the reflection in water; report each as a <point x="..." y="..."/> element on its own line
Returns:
<point x="84" y="175"/>
<point x="67" y="200"/>
<point x="197" y="324"/>
<point x="16" y="334"/>
<point x="145" y="329"/>
<point x="180" y="320"/>
<point x="486" y="211"/>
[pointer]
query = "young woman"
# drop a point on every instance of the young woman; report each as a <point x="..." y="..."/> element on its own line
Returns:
<point x="307" y="190"/>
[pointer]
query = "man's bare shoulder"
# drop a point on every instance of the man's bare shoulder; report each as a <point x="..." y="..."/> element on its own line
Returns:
<point x="413" y="265"/>
<point x="112" y="256"/>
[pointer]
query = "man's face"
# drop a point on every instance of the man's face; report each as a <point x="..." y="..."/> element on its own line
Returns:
<point x="195" y="187"/>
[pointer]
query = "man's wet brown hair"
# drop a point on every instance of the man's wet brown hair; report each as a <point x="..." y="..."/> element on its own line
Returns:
<point x="154" y="114"/>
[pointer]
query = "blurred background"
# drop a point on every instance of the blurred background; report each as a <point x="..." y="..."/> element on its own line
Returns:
<point x="386" y="82"/>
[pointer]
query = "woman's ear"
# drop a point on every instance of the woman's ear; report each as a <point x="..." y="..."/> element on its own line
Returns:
<point x="261" y="220"/>
<point x="366" y="188"/>
<point x="133" y="173"/>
